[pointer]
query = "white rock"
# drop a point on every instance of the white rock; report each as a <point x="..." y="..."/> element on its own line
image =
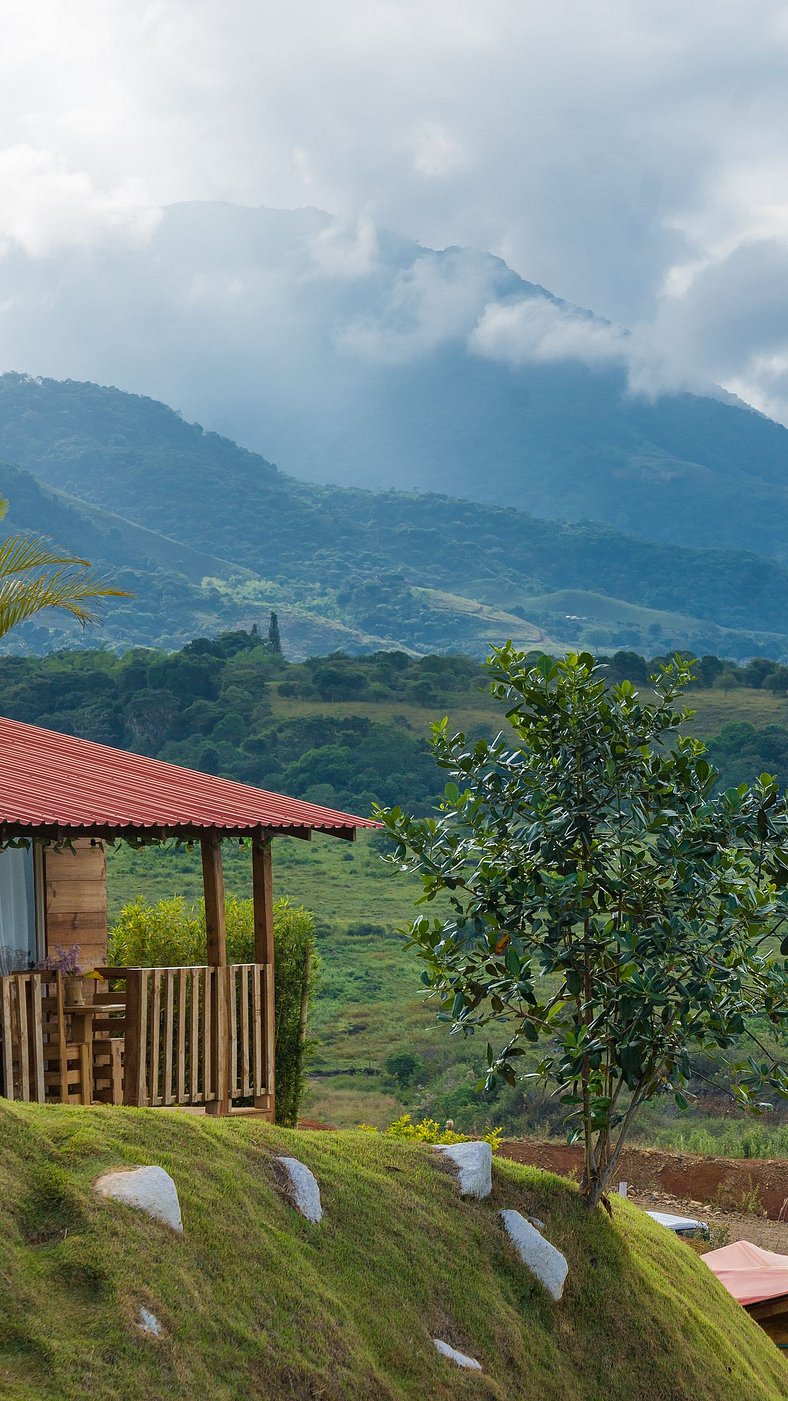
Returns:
<point x="150" y="1189"/>
<point x="536" y="1221"/>
<point x="541" y="1258"/>
<point x="459" y="1357"/>
<point x="147" y="1322"/>
<point x="474" y="1166"/>
<point x="304" y="1189"/>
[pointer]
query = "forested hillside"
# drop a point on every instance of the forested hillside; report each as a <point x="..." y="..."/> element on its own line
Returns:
<point x="208" y="537"/>
<point x="346" y="731"/>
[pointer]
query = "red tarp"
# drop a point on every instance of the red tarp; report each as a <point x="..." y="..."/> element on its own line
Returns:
<point x="749" y="1273"/>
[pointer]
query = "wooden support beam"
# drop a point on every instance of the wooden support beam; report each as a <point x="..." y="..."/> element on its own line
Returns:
<point x="263" y="897"/>
<point x="135" y="1067"/>
<point x="213" y="888"/>
<point x="216" y="930"/>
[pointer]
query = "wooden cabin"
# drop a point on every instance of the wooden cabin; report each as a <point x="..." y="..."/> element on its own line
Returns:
<point x="772" y="1315"/>
<point x="137" y="1036"/>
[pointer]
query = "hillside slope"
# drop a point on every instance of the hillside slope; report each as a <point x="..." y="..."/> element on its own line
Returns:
<point x="208" y="535"/>
<point x="257" y="1303"/>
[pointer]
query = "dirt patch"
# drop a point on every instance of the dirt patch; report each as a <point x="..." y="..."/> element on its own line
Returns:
<point x="750" y="1187"/>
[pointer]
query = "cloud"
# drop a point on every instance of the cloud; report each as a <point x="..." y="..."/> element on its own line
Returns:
<point x="46" y="208"/>
<point x="345" y="249"/>
<point x="727" y="323"/>
<point x="433" y="300"/>
<point x="437" y="153"/>
<point x="632" y="158"/>
<point x="537" y="330"/>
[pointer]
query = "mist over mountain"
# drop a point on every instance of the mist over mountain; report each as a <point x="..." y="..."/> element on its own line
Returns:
<point x="353" y="356"/>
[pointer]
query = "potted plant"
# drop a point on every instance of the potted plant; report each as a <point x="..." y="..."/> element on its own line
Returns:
<point x="79" y="986"/>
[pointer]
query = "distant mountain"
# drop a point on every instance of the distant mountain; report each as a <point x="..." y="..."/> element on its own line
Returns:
<point x="353" y="356"/>
<point x="209" y="536"/>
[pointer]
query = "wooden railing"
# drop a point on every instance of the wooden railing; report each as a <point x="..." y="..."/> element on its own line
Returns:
<point x="250" y="997"/>
<point x="26" y="1004"/>
<point x="170" y="1036"/>
<point x="155" y="1036"/>
<point x="54" y="1053"/>
<point x="196" y="1035"/>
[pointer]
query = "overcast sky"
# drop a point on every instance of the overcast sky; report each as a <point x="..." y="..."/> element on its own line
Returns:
<point x="631" y="155"/>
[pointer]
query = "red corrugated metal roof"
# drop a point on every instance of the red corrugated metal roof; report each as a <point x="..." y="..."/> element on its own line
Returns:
<point x="57" y="782"/>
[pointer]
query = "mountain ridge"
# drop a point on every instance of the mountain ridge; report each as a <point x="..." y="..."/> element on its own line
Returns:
<point x="353" y="355"/>
<point x="209" y="536"/>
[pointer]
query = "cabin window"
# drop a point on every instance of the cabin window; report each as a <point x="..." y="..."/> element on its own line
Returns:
<point x="20" y="934"/>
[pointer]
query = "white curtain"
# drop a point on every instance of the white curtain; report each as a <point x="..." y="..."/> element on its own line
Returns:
<point x="17" y="910"/>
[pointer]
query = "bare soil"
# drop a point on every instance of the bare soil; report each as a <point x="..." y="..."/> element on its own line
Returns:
<point x="738" y="1186"/>
<point x="725" y="1226"/>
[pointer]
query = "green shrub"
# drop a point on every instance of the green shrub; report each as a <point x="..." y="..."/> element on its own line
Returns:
<point x="402" y="1066"/>
<point x="430" y="1131"/>
<point x="171" y="933"/>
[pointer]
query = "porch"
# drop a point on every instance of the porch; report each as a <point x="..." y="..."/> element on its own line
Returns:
<point x="201" y="1036"/>
<point x="197" y="1036"/>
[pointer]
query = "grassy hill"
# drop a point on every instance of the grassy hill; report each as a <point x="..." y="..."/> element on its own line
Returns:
<point x="255" y="1302"/>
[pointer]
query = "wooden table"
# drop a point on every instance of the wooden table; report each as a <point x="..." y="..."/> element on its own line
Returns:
<point x="83" y="1015"/>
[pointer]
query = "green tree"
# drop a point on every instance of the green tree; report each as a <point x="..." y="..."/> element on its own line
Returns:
<point x="34" y="577"/>
<point x="604" y="902"/>
<point x="274" y="638"/>
<point x="402" y="1066"/>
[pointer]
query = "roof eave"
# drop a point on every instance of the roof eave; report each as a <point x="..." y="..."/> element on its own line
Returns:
<point x="188" y="832"/>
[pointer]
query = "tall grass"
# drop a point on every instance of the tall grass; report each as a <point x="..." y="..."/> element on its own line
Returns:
<point x="721" y="1139"/>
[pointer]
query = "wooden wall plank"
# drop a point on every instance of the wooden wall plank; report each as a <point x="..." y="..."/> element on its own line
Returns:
<point x="208" y="1081"/>
<point x="6" y="1025"/>
<point x="257" y="1029"/>
<point x="155" y="1036"/>
<point x="24" y="1062"/>
<point x="245" y="1086"/>
<point x="194" y="1044"/>
<point x="232" y="1041"/>
<point x="37" y="1034"/>
<point x="75" y="900"/>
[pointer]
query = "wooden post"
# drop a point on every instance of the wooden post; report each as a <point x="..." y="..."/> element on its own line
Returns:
<point x="135" y="1056"/>
<point x="263" y="896"/>
<point x="215" y="927"/>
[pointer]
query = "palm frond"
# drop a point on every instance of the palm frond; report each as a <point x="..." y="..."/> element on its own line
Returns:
<point x="21" y="553"/>
<point x="69" y="587"/>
